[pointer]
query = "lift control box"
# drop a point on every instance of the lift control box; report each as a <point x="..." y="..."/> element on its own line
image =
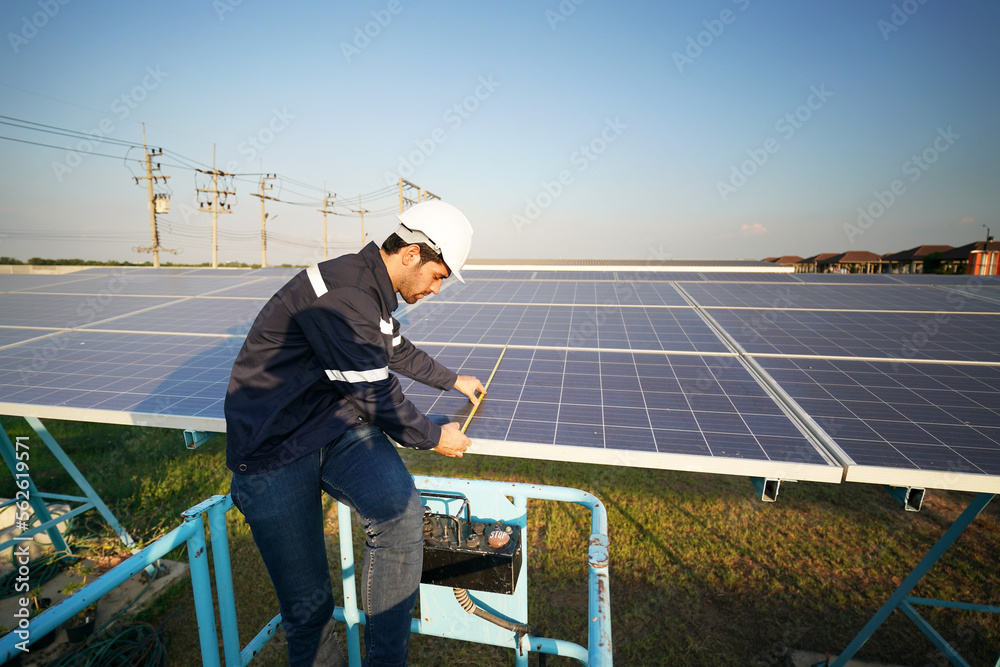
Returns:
<point x="460" y="553"/>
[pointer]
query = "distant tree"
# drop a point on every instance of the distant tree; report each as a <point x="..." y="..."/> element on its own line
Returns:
<point x="10" y="260"/>
<point x="932" y="263"/>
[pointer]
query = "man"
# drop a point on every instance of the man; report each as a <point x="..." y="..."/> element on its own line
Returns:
<point x="310" y="404"/>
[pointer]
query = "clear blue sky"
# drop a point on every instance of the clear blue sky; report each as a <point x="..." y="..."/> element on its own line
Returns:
<point x="674" y="101"/>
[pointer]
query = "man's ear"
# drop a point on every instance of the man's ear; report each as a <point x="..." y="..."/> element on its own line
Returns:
<point x="410" y="253"/>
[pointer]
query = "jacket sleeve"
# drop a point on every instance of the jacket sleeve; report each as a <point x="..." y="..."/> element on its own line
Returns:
<point x="344" y="330"/>
<point x="409" y="360"/>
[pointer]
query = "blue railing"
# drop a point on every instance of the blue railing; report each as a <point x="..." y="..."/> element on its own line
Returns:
<point x="192" y="533"/>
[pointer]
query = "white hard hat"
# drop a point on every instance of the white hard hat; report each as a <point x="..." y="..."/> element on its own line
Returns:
<point x="442" y="227"/>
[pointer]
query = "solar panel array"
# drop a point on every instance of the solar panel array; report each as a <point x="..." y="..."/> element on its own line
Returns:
<point x="876" y="378"/>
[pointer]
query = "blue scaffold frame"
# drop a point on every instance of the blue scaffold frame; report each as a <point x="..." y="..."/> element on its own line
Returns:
<point x="19" y="468"/>
<point x="902" y="600"/>
<point x="192" y="532"/>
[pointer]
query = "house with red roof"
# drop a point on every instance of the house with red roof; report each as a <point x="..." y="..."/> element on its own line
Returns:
<point x="912" y="260"/>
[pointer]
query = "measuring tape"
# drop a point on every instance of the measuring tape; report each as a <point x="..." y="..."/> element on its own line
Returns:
<point x="483" y="394"/>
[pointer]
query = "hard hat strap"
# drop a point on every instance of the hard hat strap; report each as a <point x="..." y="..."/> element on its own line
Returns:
<point x="416" y="236"/>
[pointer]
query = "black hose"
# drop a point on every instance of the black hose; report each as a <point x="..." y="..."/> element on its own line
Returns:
<point x="468" y="605"/>
<point x="41" y="570"/>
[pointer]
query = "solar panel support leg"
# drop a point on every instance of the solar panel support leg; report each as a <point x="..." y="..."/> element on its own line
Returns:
<point x="195" y="439"/>
<point x="900" y="598"/>
<point x="81" y="481"/>
<point x="911" y="498"/>
<point x="23" y="481"/>
<point x="767" y="488"/>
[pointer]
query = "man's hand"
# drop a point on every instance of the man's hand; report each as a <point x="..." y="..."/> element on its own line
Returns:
<point x="453" y="442"/>
<point x="468" y="386"/>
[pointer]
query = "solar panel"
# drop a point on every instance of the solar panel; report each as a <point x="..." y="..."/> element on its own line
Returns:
<point x="626" y="409"/>
<point x="12" y="335"/>
<point x="225" y="273"/>
<point x="849" y="278"/>
<point x="845" y="297"/>
<point x="906" y="336"/>
<point x="142" y="285"/>
<point x="928" y="425"/>
<point x="139" y="270"/>
<point x="747" y="277"/>
<point x="944" y="279"/>
<point x="258" y="287"/>
<point x="656" y="276"/>
<point x="205" y="315"/>
<point x="619" y="370"/>
<point x="18" y="282"/>
<point x="574" y="275"/>
<point x="668" y="329"/>
<point x="991" y="292"/>
<point x="67" y="311"/>
<point x="564" y="292"/>
<point x="472" y="273"/>
<point x="152" y="379"/>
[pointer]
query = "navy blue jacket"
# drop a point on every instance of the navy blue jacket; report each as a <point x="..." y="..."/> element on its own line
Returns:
<point x="317" y="362"/>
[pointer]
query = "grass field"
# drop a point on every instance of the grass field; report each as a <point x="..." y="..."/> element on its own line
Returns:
<point x="702" y="573"/>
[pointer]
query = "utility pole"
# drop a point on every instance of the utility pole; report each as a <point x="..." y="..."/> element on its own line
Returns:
<point x="406" y="191"/>
<point x="327" y="204"/>
<point x="263" y="216"/>
<point x="362" y="211"/>
<point x="214" y="208"/>
<point x="158" y="203"/>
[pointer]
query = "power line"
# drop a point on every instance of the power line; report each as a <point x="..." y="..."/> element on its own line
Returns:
<point x="73" y="134"/>
<point x="36" y="143"/>
<point x="286" y="185"/>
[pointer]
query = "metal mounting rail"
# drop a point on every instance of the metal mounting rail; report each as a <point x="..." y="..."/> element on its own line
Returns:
<point x="813" y="431"/>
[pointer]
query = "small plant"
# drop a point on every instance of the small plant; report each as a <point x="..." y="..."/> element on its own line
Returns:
<point x="37" y="602"/>
<point x="83" y="570"/>
<point x="80" y="569"/>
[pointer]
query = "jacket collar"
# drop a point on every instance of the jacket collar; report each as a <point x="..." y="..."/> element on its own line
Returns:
<point x="370" y="253"/>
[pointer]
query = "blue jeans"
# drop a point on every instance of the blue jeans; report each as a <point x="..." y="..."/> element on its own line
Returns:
<point x="283" y="506"/>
